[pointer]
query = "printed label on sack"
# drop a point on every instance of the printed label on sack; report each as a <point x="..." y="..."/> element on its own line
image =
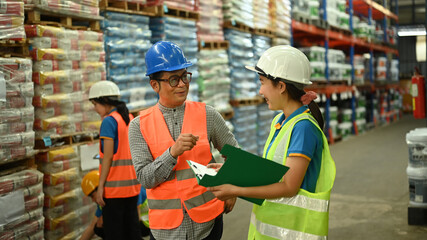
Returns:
<point x="2" y="88"/>
<point x="3" y="7"/>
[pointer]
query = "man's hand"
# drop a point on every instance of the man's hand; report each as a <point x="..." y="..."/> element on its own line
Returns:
<point x="185" y="142"/>
<point x="229" y="204"/>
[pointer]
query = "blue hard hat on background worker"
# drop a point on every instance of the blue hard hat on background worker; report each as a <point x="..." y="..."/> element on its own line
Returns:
<point x="165" y="56"/>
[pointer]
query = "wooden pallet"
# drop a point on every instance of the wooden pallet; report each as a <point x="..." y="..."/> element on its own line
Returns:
<point x="56" y="142"/>
<point x="52" y="18"/>
<point x="213" y="45"/>
<point x="340" y="30"/>
<point x="246" y="101"/>
<point x="227" y="115"/>
<point x="11" y="48"/>
<point x="264" y="32"/>
<point x="129" y="8"/>
<point x="17" y="164"/>
<point x="237" y="26"/>
<point x="178" y="13"/>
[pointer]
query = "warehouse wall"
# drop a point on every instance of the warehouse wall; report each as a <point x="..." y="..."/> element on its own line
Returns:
<point x="407" y="57"/>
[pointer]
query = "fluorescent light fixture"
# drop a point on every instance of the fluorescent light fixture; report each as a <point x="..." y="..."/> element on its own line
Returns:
<point x="411" y="31"/>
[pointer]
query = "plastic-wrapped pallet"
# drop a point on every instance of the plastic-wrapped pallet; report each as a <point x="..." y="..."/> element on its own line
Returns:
<point x="12" y="20"/>
<point x="262" y="18"/>
<point x="66" y="63"/>
<point x="316" y="55"/>
<point x="66" y="208"/>
<point x="280" y="13"/>
<point x="214" y="80"/>
<point x="336" y="14"/>
<point x="21" y="201"/>
<point x="306" y="8"/>
<point x="240" y="54"/>
<point x="381" y="69"/>
<point x="209" y="26"/>
<point x="245" y="127"/>
<point x="79" y="8"/>
<point x="394" y="70"/>
<point x="16" y="109"/>
<point x="127" y="38"/>
<point x="261" y="44"/>
<point x="264" y="118"/>
<point x="359" y="69"/>
<point x="165" y="29"/>
<point x="239" y="11"/>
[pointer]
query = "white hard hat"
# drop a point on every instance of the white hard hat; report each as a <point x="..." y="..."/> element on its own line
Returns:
<point x="104" y="89"/>
<point x="284" y="62"/>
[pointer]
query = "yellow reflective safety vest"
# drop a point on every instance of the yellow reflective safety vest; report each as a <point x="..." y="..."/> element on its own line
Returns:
<point x="304" y="216"/>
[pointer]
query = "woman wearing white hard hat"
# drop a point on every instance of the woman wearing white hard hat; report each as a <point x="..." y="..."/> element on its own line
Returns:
<point x="118" y="188"/>
<point x="297" y="207"/>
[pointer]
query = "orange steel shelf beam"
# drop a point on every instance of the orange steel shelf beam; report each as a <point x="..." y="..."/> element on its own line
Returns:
<point x="308" y="28"/>
<point x="304" y="31"/>
<point x="331" y="89"/>
<point x="378" y="11"/>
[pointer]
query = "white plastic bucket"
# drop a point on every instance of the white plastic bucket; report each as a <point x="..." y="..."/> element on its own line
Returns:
<point x="417" y="178"/>
<point x="417" y="145"/>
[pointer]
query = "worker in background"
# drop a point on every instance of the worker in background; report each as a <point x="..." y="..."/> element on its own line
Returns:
<point x="163" y="137"/>
<point x="297" y="207"/>
<point x="118" y="188"/>
<point x="89" y="186"/>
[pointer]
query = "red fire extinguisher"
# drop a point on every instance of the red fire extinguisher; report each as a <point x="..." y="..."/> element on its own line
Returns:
<point x="418" y="95"/>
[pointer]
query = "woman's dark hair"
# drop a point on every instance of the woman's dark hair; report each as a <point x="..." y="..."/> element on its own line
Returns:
<point x="296" y="93"/>
<point x="120" y="105"/>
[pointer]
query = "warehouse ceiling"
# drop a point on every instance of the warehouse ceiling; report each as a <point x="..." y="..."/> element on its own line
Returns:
<point x="411" y="12"/>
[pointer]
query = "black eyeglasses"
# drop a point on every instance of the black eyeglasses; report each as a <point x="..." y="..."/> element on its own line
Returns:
<point x="174" y="79"/>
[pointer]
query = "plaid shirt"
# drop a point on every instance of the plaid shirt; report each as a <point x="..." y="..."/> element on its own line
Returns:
<point x="152" y="173"/>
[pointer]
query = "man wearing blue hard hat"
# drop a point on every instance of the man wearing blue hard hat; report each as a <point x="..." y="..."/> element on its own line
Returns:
<point x="163" y="137"/>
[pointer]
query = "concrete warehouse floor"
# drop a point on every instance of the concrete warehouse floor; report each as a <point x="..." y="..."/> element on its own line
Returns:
<point x="371" y="192"/>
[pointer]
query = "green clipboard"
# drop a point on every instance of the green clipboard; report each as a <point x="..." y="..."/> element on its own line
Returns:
<point x="241" y="169"/>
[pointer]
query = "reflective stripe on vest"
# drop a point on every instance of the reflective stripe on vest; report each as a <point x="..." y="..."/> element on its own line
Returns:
<point x="304" y="216"/>
<point x="121" y="180"/>
<point x="280" y="233"/>
<point x="180" y="189"/>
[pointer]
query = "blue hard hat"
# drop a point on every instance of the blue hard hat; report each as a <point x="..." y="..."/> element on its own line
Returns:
<point x="165" y="56"/>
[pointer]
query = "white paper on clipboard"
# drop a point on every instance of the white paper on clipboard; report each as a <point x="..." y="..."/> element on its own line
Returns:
<point x="89" y="156"/>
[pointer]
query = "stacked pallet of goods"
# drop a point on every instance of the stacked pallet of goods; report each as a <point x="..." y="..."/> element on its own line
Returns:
<point x="127" y="38"/>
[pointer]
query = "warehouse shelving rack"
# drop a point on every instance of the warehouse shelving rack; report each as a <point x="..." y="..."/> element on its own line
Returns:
<point x="306" y="35"/>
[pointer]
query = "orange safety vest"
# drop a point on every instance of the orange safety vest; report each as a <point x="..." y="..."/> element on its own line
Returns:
<point x="121" y="181"/>
<point x="165" y="201"/>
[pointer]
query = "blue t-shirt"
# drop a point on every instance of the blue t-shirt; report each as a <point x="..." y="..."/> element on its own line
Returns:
<point x="108" y="130"/>
<point x="306" y="141"/>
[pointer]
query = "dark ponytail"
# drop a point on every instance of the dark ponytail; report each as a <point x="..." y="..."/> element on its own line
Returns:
<point x="296" y="91"/>
<point x="120" y="105"/>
